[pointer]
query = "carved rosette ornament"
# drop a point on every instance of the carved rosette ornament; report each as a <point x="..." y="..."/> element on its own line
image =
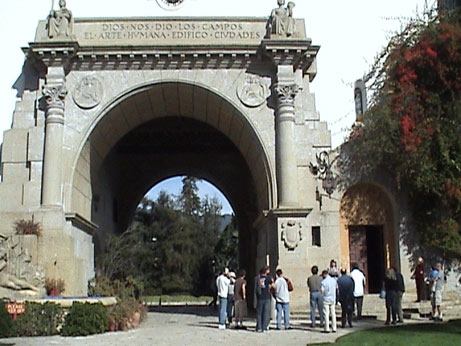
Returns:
<point x="55" y="96"/>
<point x="253" y="92"/>
<point x="291" y="234"/>
<point x="88" y="92"/>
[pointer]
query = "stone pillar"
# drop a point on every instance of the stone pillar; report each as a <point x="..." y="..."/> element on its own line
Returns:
<point x="287" y="177"/>
<point x="55" y="93"/>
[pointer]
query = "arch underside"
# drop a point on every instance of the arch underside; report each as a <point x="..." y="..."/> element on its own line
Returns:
<point x="164" y="130"/>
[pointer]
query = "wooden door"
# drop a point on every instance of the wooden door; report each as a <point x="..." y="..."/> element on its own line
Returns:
<point x="358" y="249"/>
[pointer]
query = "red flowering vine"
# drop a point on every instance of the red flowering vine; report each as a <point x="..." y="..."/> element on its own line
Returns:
<point x="412" y="130"/>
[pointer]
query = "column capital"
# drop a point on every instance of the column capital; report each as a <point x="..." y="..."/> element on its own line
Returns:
<point x="55" y="95"/>
<point x="286" y="93"/>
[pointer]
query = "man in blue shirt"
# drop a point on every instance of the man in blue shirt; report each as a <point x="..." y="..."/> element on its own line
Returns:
<point x="263" y="283"/>
<point x="329" y="287"/>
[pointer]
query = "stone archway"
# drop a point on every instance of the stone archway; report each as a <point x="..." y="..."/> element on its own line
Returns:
<point x="81" y="151"/>
<point x="368" y="235"/>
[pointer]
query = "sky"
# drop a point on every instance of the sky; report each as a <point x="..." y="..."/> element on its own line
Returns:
<point x="350" y="34"/>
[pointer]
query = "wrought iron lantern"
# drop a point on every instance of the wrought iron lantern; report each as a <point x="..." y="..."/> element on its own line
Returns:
<point x="323" y="172"/>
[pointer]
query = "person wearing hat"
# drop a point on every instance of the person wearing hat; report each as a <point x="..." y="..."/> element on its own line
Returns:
<point x="230" y="298"/>
<point x="222" y="284"/>
<point x="418" y="276"/>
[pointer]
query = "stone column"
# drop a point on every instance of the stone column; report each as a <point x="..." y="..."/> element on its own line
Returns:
<point x="55" y="93"/>
<point x="287" y="177"/>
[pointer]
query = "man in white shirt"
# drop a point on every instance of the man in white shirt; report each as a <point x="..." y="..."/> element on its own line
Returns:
<point x="282" y="298"/>
<point x="329" y="288"/>
<point x="359" y="286"/>
<point x="222" y="285"/>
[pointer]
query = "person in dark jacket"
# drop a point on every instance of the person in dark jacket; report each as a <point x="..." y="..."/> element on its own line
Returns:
<point x="399" y="296"/>
<point x="346" y="297"/>
<point x="390" y="285"/>
<point x="262" y="297"/>
<point x="418" y="276"/>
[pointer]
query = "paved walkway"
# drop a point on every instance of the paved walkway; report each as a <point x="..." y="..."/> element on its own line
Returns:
<point x="195" y="326"/>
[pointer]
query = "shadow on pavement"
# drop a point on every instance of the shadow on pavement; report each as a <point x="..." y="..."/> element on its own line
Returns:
<point x="198" y="310"/>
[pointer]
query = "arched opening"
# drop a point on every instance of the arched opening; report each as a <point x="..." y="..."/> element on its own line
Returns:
<point x="165" y="130"/>
<point x="368" y="237"/>
<point x="176" y="242"/>
<point x="206" y="189"/>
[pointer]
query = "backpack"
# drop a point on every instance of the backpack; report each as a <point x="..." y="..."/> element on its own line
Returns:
<point x="289" y="284"/>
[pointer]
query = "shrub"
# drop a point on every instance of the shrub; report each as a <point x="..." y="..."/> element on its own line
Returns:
<point x="28" y="227"/>
<point x="129" y="311"/>
<point x="85" y="319"/>
<point x="39" y="320"/>
<point x="126" y="314"/>
<point x="54" y="287"/>
<point x="101" y="287"/>
<point x="6" y="322"/>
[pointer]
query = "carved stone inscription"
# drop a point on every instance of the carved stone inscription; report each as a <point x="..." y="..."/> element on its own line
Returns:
<point x="172" y="30"/>
<point x="168" y="31"/>
<point x="163" y="32"/>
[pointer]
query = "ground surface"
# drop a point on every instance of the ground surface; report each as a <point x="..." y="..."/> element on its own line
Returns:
<point x="446" y="334"/>
<point x="196" y="326"/>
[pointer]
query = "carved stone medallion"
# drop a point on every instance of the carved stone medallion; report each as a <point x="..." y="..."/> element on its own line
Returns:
<point x="253" y="92"/>
<point x="291" y="234"/>
<point x="170" y="4"/>
<point x="88" y="92"/>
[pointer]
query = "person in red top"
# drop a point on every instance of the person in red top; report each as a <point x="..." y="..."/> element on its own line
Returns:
<point x="418" y="275"/>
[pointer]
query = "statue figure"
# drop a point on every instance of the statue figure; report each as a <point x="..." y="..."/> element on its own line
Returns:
<point x="16" y="270"/>
<point x="60" y="22"/>
<point x="281" y="21"/>
<point x="12" y="282"/>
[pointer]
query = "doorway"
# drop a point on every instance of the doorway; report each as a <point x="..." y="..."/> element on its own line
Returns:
<point x="366" y="248"/>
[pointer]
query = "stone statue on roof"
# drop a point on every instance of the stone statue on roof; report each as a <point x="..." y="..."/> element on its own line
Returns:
<point x="60" y="22"/>
<point x="281" y="21"/>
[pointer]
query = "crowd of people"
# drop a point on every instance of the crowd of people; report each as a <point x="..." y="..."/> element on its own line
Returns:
<point x="232" y="293"/>
<point x="430" y="287"/>
<point x="332" y="287"/>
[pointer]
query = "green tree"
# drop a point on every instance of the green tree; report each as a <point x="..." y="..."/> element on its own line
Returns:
<point x="189" y="199"/>
<point x="171" y="243"/>
<point x="226" y="250"/>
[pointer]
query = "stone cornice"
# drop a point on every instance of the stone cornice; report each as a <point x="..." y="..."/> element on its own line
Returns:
<point x="53" y="53"/>
<point x="81" y="223"/>
<point x="162" y="43"/>
<point x="299" y="53"/>
<point x="288" y="212"/>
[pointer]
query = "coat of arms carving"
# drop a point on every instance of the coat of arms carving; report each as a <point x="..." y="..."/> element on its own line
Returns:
<point x="253" y="92"/>
<point x="291" y="234"/>
<point x="88" y="92"/>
